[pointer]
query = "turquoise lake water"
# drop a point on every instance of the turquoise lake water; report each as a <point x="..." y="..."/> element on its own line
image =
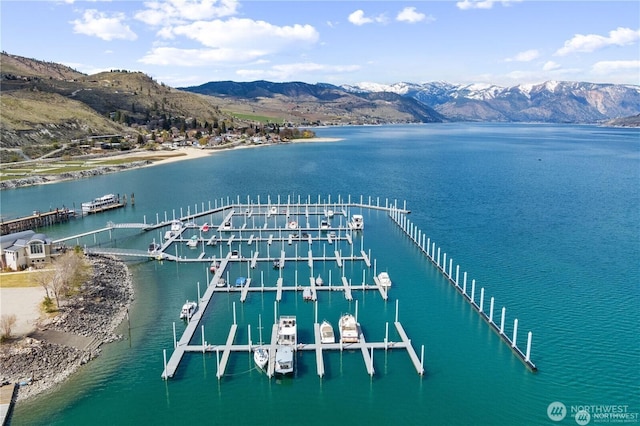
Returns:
<point x="545" y="217"/>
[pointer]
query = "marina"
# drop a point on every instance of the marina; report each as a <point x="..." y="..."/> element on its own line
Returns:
<point x="268" y="227"/>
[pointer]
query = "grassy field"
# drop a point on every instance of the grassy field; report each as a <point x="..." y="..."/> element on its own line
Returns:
<point x="18" y="279"/>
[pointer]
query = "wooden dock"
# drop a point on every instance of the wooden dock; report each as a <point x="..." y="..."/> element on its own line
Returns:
<point x="8" y="395"/>
<point x="36" y="220"/>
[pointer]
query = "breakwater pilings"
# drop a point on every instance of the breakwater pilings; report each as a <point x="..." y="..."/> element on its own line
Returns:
<point x="439" y="259"/>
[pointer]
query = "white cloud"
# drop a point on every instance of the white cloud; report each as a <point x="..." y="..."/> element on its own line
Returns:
<point x="550" y="66"/>
<point x="166" y="55"/>
<point x="607" y="67"/>
<point x="173" y="12"/>
<point x="410" y="15"/>
<point x="482" y="4"/>
<point x="102" y="25"/>
<point x="591" y="42"/>
<point x="526" y="56"/>
<point x="358" y="18"/>
<point x="246" y="34"/>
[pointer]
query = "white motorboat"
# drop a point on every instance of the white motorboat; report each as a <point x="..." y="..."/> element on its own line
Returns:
<point x="168" y="235"/>
<point x="101" y="203"/>
<point x="273" y="210"/>
<point x="319" y="281"/>
<point x="326" y="332"/>
<point x="287" y="330"/>
<point x="324" y="225"/>
<point x="153" y="247"/>
<point x="226" y="226"/>
<point x="193" y="242"/>
<point x="307" y="293"/>
<point x="384" y="279"/>
<point x="176" y="226"/>
<point x="221" y="282"/>
<point x="292" y="225"/>
<point x="329" y="213"/>
<point x="261" y="357"/>
<point x="188" y="309"/>
<point x="287" y="339"/>
<point x="348" y="329"/>
<point x="357" y="222"/>
<point x="284" y="359"/>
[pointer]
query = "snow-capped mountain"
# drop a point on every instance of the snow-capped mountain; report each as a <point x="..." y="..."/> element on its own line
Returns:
<point x="551" y="101"/>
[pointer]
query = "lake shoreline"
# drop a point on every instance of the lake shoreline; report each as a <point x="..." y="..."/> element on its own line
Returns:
<point x="140" y="159"/>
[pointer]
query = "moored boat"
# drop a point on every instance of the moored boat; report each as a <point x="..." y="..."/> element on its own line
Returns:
<point x="319" y="281"/>
<point x="326" y="332"/>
<point x="105" y="202"/>
<point x="284" y="360"/>
<point x="383" y="278"/>
<point x="188" y="309"/>
<point x="261" y="357"/>
<point x="348" y="329"/>
<point x="307" y="293"/>
<point x="193" y="242"/>
<point x="241" y="281"/>
<point x="153" y="247"/>
<point x="357" y="222"/>
<point x="214" y="266"/>
<point x="287" y="339"/>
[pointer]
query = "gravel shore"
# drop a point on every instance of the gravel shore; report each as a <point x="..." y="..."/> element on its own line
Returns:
<point x="69" y="340"/>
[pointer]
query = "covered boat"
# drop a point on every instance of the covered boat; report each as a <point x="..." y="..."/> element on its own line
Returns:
<point x="188" y="309"/>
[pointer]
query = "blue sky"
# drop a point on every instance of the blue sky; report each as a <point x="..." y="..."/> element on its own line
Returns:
<point x="186" y="42"/>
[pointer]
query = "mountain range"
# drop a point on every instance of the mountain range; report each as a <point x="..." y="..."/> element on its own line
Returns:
<point x="46" y="104"/>
<point x="549" y="102"/>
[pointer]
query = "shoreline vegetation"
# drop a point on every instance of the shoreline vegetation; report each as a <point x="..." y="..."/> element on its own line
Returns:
<point x="52" y="173"/>
<point x="57" y="346"/>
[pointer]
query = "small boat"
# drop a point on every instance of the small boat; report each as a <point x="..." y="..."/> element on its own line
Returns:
<point x="153" y="247"/>
<point x="234" y="254"/>
<point x="357" y="222"/>
<point x="221" y="282"/>
<point x="241" y="281"/>
<point x="188" y="309"/>
<point x="284" y="360"/>
<point x="348" y="329"/>
<point x="168" y="235"/>
<point x="193" y="242"/>
<point x="204" y="227"/>
<point x="261" y="357"/>
<point x="307" y="293"/>
<point x="273" y="210"/>
<point x="292" y="225"/>
<point x="176" y="226"/>
<point x="324" y="225"/>
<point x="384" y="279"/>
<point x="276" y="264"/>
<point x="214" y="266"/>
<point x="226" y="226"/>
<point x="329" y="213"/>
<point x="326" y="333"/>
<point x="319" y="281"/>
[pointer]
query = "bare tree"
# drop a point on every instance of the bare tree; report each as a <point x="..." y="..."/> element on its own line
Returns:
<point x="43" y="278"/>
<point x="71" y="270"/>
<point x="6" y="325"/>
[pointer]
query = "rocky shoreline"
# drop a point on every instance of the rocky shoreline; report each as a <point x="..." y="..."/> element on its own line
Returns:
<point x="42" y="179"/>
<point x="64" y="343"/>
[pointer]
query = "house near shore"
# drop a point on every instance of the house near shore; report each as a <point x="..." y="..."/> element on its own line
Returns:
<point x="24" y="249"/>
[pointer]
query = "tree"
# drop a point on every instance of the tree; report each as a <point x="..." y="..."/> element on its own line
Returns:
<point x="6" y="325"/>
<point x="70" y="271"/>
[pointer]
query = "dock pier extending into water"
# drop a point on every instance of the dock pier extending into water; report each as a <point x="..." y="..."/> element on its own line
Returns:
<point x="432" y="252"/>
<point x="256" y="223"/>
